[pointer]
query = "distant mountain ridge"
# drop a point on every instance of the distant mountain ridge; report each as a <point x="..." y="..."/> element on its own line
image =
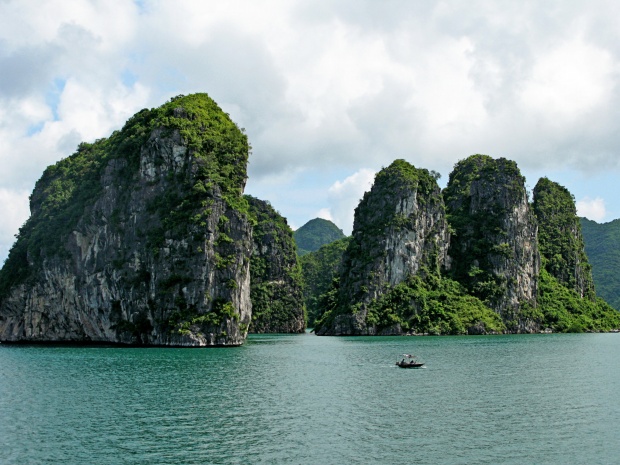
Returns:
<point x="316" y="233"/>
<point x="603" y="249"/>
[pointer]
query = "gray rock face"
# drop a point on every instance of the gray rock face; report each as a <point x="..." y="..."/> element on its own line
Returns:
<point x="422" y="240"/>
<point x="494" y="248"/>
<point x="400" y="228"/>
<point x="406" y="271"/>
<point x="157" y="257"/>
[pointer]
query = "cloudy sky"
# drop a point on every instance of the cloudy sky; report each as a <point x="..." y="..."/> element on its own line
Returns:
<point x="328" y="91"/>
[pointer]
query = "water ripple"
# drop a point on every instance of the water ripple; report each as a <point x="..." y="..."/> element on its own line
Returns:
<point x="301" y="399"/>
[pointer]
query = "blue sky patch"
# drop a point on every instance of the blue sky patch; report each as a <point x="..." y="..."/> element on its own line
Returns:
<point x="128" y="78"/>
<point x="52" y="97"/>
<point x="141" y="4"/>
<point x="35" y="128"/>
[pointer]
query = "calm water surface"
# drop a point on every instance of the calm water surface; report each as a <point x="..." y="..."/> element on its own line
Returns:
<point x="303" y="399"/>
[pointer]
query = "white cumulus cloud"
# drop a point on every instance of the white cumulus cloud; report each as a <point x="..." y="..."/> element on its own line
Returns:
<point x="326" y="214"/>
<point x="15" y="210"/>
<point x="593" y="209"/>
<point x="322" y="88"/>
<point x="344" y="196"/>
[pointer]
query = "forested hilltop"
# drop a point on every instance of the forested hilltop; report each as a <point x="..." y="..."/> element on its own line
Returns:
<point x="145" y="237"/>
<point x="316" y="233"/>
<point x="475" y="258"/>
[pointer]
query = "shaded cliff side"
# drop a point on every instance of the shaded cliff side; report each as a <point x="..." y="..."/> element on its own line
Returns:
<point x="138" y="238"/>
<point x="494" y="247"/>
<point x="276" y="281"/>
<point x="566" y="296"/>
<point x="319" y="270"/>
<point x="560" y="239"/>
<point x="399" y="228"/>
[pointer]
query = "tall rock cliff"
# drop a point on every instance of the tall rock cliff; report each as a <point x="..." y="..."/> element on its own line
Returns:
<point x="567" y="301"/>
<point x="138" y="238"/>
<point x="494" y="247"/>
<point x="276" y="281"/>
<point x="560" y="238"/>
<point x="400" y="228"/>
<point x="406" y="271"/>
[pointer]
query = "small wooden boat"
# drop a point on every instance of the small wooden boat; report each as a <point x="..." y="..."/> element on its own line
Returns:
<point x="409" y="361"/>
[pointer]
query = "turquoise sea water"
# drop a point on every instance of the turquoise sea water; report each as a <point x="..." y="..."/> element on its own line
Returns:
<point x="303" y="399"/>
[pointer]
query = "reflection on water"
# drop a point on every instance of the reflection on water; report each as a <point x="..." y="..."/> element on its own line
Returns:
<point x="307" y="399"/>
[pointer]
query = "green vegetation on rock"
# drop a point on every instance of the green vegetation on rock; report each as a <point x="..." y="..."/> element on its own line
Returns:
<point x="146" y="236"/>
<point x="67" y="190"/>
<point x="319" y="270"/>
<point x="316" y="233"/>
<point x="513" y="267"/>
<point x="399" y="229"/>
<point x="391" y="184"/>
<point x="566" y="300"/>
<point x="559" y="237"/>
<point x="275" y="274"/>
<point x="139" y="237"/>
<point x="562" y="309"/>
<point x="422" y="304"/>
<point x="430" y="304"/>
<point x="484" y="197"/>
<point x="381" y="213"/>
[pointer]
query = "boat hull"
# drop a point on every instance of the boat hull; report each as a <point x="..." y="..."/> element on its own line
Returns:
<point x="409" y="365"/>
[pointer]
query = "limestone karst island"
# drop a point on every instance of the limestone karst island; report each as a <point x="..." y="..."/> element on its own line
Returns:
<point x="146" y="238"/>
